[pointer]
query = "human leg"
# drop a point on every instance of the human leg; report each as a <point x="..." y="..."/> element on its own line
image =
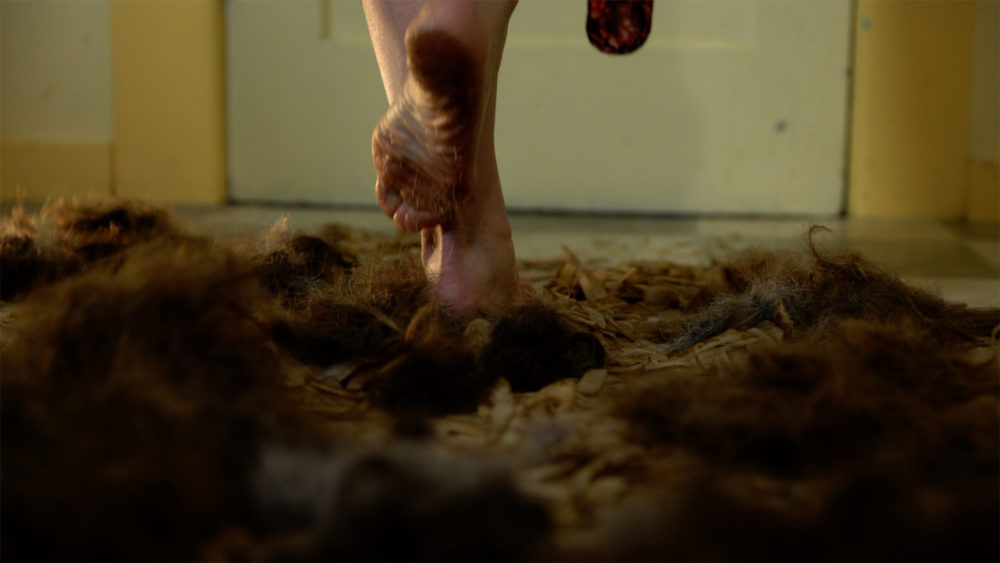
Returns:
<point x="434" y="151"/>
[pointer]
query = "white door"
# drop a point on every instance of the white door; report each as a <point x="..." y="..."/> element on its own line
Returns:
<point x="732" y="106"/>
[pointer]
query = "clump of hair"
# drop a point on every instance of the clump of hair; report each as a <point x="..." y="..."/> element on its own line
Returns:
<point x="871" y="396"/>
<point x="808" y="296"/>
<point x="533" y="346"/>
<point x="802" y="407"/>
<point x="20" y="263"/>
<point x="437" y="372"/>
<point x="327" y="331"/>
<point x="99" y="229"/>
<point x="71" y="236"/>
<point x="165" y="397"/>
<point x="134" y="400"/>
<point x="300" y="265"/>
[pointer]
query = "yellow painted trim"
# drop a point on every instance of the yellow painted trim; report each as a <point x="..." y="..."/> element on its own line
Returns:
<point x="34" y="171"/>
<point x="912" y="108"/>
<point x="984" y="191"/>
<point x="168" y="85"/>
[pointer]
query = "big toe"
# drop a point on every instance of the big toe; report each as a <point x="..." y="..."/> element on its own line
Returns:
<point x="388" y="199"/>
<point x="403" y="214"/>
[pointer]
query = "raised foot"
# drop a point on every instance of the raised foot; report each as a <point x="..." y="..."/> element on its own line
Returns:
<point x="424" y="147"/>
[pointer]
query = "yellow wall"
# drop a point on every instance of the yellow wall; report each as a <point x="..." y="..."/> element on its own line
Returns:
<point x="911" y="145"/>
<point x="983" y="200"/>
<point x="35" y="170"/>
<point x="112" y="97"/>
<point x="169" y="105"/>
<point x="55" y="98"/>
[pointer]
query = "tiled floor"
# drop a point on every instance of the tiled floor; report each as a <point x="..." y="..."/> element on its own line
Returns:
<point x="960" y="261"/>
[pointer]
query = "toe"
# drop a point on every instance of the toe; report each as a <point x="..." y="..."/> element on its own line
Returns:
<point x="408" y="218"/>
<point x="388" y="199"/>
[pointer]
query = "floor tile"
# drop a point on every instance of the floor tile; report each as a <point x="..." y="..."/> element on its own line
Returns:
<point x="975" y="292"/>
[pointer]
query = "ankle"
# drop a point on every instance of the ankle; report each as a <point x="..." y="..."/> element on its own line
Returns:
<point x="480" y="25"/>
<point x="465" y="12"/>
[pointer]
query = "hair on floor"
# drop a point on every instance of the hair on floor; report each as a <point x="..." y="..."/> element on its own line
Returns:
<point x="164" y="395"/>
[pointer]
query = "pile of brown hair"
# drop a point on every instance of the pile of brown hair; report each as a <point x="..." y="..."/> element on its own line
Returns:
<point x="169" y="396"/>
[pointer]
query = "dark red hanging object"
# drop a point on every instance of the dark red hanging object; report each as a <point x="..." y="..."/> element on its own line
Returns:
<point x="619" y="27"/>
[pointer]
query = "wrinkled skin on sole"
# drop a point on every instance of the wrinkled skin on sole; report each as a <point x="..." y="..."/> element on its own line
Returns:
<point x="424" y="147"/>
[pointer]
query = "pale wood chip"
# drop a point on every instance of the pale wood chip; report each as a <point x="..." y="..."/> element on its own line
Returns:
<point x="593" y="290"/>
<point x="602" y="274"/>
<point x="591" y="381"/>
<point x="478" y="333"/>
<point x="555" y="299"/>
<point x="548" y="471"/>
<point x="385" y="319"/>
<point x="597" y="319"/>
<point x="701" y="364"/>
<point x="768" y="332"/>
<point x="620" y="327"/>
<point x="623" y="359"/>
<point x="340" y="372"/>
<point x="501" y="406"/>
<point x="296" y="376"/>
<point x="980" y="356"/>
<point x="580" y="317"/>
<point x="605" y="490"/>
<point x="566" y="274"/>
<point x="422" y="324"/>
<point x="329" y="403"/>
<point x="613" y="457"/>
<point x="725" y="339"/>
<point x="677" y="281"/>
<point x="682" y="364"/>
<point x="570" y="255"/>
<point x="781" y="316"/>
<point x="661" y="296"/>
<point x="626" y="369"/>
<point x="332" y="388"/>
<point x="555" y="398"/>
<point x="462" y="430"/>
<point x="361" y="377"/>
<point x="632" y="271"/>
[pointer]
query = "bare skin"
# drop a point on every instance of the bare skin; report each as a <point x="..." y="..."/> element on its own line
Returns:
<point x="433" y="149"/>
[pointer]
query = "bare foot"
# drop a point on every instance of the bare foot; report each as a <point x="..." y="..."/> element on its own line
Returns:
<point x="471" y="264"/>
<point x="424" y="147"/>
<point x="434" y="155"/>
